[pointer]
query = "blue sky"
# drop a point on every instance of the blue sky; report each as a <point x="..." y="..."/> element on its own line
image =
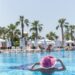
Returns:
<point x="46" y="11"/>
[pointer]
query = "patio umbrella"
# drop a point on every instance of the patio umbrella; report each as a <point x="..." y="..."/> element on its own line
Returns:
<point x="2" y="40"/>
<point x="51" y="42"/>
<point x="69" y="41"/>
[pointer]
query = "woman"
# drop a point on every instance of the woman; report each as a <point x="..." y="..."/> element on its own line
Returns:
<point x="47" y="65"/>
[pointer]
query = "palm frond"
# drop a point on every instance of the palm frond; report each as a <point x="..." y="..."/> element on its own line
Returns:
<point x="40" y="29"/>
<point x="17" y="23"/>
<point x="57" y="27"/>
<point x="26" y="22"/>
<point x="62" y="20"/>
<point x="32" y="29"/>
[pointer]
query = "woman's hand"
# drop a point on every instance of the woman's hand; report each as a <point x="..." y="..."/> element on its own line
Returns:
<point x="62" y="65"/>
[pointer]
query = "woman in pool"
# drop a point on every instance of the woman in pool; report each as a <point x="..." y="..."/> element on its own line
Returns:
<point x="47" y="65"/>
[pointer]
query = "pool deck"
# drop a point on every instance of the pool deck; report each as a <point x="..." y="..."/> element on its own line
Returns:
<point x="17" y="50"/>
<point x="27" y="50"/>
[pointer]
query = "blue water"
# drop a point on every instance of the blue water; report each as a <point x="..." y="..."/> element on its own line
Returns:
<point x="17" y="59"/>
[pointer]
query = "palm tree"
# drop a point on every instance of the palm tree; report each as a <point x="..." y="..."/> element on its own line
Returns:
<point x="32" y="37"/>
<point x="13" y="32"/>
<point x="72" y="28"/>
<point x="23" y="21"/>
<point x="3" y="32"/>
<point x="69" y="31"/>
<point x="67" y="36"/>
<point x="36" y="28"/>
<point x="51" y="36"/>
<point x="61" y="25"/>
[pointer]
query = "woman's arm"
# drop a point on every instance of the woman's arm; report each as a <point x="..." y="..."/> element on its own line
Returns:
<point x="62" y="66"/>
<point x="32" y="67"/>
<point x="35" y="65"/>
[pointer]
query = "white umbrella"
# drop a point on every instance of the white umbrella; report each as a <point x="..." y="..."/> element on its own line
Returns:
<point x="2" y="40"/>
<point x="51" y="42"/>
<point x="69" y="41"/>
<point x="46" y="41"/>
<point x="32" y="42"/>
<point x="43" y="40"/>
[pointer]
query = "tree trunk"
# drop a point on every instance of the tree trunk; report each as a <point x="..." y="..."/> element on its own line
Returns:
<point x="22" y="26"/>
<point x="62" y="37"/>
<point x="36" y="38"/>
<point x="36" y="33"/>
<point x="71" y="35"/>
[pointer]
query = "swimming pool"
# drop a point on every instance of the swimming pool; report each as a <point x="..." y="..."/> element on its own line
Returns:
<point x="16" y="59"/>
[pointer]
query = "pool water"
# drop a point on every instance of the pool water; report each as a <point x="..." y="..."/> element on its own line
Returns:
<point x="17" y="59"/>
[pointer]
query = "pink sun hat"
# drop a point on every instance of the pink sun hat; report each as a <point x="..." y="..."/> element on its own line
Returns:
<point x="48" y="62"/>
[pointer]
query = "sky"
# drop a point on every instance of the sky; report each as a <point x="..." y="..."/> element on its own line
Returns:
<point x="48" y="12"/>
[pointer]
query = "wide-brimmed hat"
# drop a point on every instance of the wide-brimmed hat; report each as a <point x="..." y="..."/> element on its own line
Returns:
<point x="48" y="62"/>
